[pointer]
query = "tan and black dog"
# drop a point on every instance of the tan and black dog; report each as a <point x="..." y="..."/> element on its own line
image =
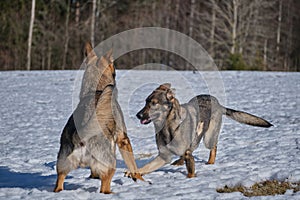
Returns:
<point x="179" y="128"/>
<point x="90" y="136"/>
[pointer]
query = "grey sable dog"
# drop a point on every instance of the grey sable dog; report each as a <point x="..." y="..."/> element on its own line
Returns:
<point x="90" y="136"/>
<point x="180" y="128"/>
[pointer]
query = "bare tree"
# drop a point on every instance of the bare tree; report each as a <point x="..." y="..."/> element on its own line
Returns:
<point x="77" y="13"/>
<point x="93" y="23"/>
<point x="66" y="35"/>
<point x="213" y="28"/>
<point x="30" y="35"/>
<point x="263" y="34"/>
<point x="279" y="26"/>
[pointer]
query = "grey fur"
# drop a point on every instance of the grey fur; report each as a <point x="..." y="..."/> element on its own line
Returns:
<point x="180" y="128"/>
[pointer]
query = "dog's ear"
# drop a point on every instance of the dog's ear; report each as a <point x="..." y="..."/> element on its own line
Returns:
<point x="165" y="86"/>
<point x="107" y="59"/>
<point x="89" y="52"/>
<point x="170" y="94"/>
<point x="109" y="56"/>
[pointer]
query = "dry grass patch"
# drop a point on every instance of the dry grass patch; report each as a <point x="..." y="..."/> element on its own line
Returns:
<point x="265" y="188"/>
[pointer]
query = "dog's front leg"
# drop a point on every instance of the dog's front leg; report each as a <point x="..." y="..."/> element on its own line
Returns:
<point x="190" y="163"/>
<point x="155" y="164"/>
<point x="125" y="148"/>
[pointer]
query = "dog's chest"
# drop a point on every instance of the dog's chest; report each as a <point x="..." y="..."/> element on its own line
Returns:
<point x="95" y="150"/>
<point x="81" y="156"/>
<point x="177" y="139"/>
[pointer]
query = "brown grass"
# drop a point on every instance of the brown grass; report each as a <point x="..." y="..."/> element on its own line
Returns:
<point x="265" y="188"/>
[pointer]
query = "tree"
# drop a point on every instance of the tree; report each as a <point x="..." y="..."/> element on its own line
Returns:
<point x="66" y="35"/>
<point x="93" y="23"/>
<point x="260" y="34"/>
<point x="30" y="35"/>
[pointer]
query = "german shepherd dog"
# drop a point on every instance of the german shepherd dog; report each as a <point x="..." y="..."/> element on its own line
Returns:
<point x="179" y="128"/>
<point x="90" y="136"/>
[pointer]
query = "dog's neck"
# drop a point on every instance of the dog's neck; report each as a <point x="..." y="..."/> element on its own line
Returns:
<point x="98" y="93"/>
<point x="174" y="116"/>
<point x="172" y="122"/>
<point x="173" y="119"/>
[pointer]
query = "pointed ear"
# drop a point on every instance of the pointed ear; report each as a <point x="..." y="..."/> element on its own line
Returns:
<point x="165" y="86"/>
<point x="109" y="56"/>
<point x="89" y="52"/>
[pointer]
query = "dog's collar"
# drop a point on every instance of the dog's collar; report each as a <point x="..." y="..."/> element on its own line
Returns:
<point x="99" y="92"/>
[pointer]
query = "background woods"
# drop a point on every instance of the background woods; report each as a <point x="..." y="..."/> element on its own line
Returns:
<point x="238" y="34"/>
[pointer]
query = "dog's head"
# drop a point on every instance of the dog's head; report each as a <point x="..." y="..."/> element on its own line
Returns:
<point x="158" y="105"/>
<point x="99" y="72"/>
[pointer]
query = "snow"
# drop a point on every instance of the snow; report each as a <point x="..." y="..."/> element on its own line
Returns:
<point x="35" y="106"/>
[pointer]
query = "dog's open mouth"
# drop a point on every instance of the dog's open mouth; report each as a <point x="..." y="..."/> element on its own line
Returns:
<point x="145" y="121"/>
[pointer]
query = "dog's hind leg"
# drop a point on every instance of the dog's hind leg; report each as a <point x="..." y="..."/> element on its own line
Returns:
<point x="212" y="156"/>
<point x="63" y="167"/>
<point x="190" y="163"/>
<point x="65" y="163"/>
<point x="60" y="182"/>
<point x="106" y="180"/>
<point x="211" y="137"/>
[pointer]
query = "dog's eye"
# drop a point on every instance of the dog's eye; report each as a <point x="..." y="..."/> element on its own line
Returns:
<point x="153" y="103"/>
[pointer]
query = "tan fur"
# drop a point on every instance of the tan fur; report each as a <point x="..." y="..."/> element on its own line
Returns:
<point x="190" y="163"/>
<point x="212" y="156"/>
<point x="60" y="182"/>
<point x="96" y="126"/>
<point x="106" y="180"/>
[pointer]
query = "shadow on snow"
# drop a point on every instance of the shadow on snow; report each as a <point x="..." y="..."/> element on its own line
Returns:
<point x="10" y="179"/>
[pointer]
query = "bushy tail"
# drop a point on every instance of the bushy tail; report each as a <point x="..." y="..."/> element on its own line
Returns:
<point x="247" y="118"/>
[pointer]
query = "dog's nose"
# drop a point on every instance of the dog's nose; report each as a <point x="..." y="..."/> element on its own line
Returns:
<point x="139" y="115"/>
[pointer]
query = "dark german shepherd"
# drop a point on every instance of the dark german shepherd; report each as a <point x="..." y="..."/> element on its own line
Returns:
<point x="179" y="128"/>
<point x="90" y="136"/>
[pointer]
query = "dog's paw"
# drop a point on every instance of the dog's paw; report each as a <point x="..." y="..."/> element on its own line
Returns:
<point x="134" y="176"/>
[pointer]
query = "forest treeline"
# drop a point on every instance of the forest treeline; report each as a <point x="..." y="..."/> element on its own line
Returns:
<point x="238" y="34"/>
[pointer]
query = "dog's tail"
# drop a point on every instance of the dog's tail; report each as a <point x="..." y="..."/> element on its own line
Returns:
<point x="246" y="118"/>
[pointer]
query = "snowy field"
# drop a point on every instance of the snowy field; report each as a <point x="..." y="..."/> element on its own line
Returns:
<point x="35" y="106"/>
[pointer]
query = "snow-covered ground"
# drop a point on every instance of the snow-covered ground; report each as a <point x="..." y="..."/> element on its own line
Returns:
<point x="35" y="106"/>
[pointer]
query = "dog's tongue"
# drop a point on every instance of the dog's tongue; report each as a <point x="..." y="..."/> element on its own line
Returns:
<point x="144" y="121"/>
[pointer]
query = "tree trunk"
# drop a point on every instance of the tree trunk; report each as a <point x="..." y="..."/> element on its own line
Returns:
<point x="167" y="42"/>
<point x="245" y="25"/>
<point x="77" y="13"/>
<point x="66" y="35"/>
<point x="172" y="62"/>
<point x="212" y="30"/>
<point x="289" y="37"/>
<point x="191" y="27"/>
<point x="265" y="55"/>
<point x="279" y="27"/>
<point x="30" y="35"/>
<point x="93" y="23"/>
<point x="254" y="32"/>
<point x="234" y="25"/>
<point x="49" y="55"/>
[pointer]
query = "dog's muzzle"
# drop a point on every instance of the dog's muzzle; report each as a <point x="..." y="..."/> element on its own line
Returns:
<point x="144" y="118"/>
